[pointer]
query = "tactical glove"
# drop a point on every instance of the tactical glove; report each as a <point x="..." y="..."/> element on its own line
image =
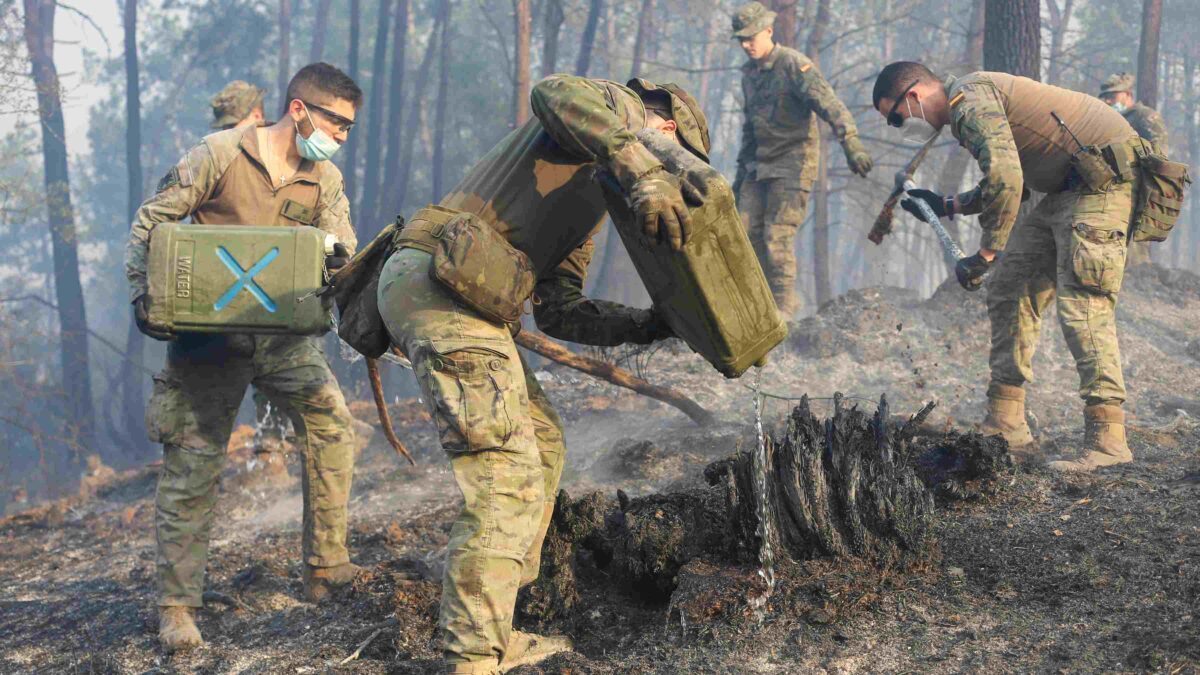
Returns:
<point x="658" y="203"/>
<point x="142" y="318"/>
<point x="856" y="156"/>
<point x="933" y="199"/>
<point x="341" y="256"/>
<point x="971" y="270"/>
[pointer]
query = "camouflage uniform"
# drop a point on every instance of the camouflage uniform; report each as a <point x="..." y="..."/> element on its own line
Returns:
<point x="1071" y="247"/>
<point x="784" y="93"/>
<point x="230" y="107"/>
<point x="234" y="103"/>
<point x="1146" y="121"/>
<point x="505" y="442"/>
<point x="1148" y="124"/>
<point x="197" y="395"/>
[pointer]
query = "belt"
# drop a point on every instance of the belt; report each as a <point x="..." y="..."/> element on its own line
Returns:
<point x="1122" y="158"/>
<point x="425" y="228"/>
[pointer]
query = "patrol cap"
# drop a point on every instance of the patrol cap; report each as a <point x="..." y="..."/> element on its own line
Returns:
<point x="678" y="105"/>
<point x="233" y="103"/>
<point x="751" y="19"/>
<point x="1116" y="83"/>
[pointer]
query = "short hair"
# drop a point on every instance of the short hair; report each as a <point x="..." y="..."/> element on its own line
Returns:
<point x="322" y="78"/>
<point x="895" y="78"/>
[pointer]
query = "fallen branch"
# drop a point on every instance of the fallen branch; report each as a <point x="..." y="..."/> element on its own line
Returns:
<point x="619" y="376"/>
<point x="385" y="418"/>
<point x="227" y="600"/>
<point x="370" y="638"/>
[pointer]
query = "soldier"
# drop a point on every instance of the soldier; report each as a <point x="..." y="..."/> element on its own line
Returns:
<point x="1072" y="247"/>
<point x="537" y="192"/>
<point x="237" y="106"/>
<point x="1117" y="91"/>
<point x="784" y="93"/>
<point x="277" y="175"/>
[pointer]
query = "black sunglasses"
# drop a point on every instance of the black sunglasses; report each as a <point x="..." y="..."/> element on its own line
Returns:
<point x="893" y="118"/>
<point x="343" y="125"/>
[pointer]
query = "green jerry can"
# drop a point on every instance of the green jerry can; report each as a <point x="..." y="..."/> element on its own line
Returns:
<point x="713" y="293"/>
<point x="238" y="279"/>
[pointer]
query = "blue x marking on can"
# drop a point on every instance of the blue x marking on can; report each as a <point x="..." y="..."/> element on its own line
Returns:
<point x="245" y="279"/>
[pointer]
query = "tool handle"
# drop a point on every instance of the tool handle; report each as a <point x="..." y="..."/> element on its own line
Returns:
<point x="950" y="248"/>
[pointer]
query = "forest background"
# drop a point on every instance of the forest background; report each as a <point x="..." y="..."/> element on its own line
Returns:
<point x="444" y="81"/>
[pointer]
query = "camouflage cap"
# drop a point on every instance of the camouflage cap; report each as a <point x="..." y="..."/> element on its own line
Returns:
<point x="685" y="110"/>
<point x="752" y="19"/>
<point x="234" y="103"/>
<point x="1116" y="83"/>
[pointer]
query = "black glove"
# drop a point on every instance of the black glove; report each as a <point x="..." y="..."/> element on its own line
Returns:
<point x="341" y="256"/>
<point x="970" y="271"/>
<point x="933" y="199"/>
<point x="658" y="328"/>
<point x="142" y="318"/>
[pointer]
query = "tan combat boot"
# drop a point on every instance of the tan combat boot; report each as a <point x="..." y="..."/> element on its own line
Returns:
<point x="177" y="629"/>
<point x="320" y="581"/>
<point x="529" y="648"/>
<point x="1006" y="417"/>
<point x="1103" y="441"/>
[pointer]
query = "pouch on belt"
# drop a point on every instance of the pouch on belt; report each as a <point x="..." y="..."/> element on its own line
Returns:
<point x="473" y="261"/>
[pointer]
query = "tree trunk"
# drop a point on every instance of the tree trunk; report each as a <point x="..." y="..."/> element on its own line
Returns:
<point x="389" y="207"/>
<point x="372" y="172"/>
<point x="1060" y="21"/>
<point x="349" y="169"/>
<point x="133" y="402"/>
<point x="587" y="41"/>
<point x="317" y="52"/>
<point x="785" y="22"/>
<point x="645" y="30"/>
<point x="956" y="165"/>
<point x="439" y="129"/>
<point x="552" y="21"/>
<point x="821" y="281"/>
<point x="412" y="119"/>
<point x="1012" y="41"/>
<point x="285" y="47"/>
<point x="523" y="29"/>
<point x="1147" y="77"/>
<point x="60" y="215"/>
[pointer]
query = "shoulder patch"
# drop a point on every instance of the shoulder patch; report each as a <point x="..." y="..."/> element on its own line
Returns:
<point x="806" y="67"/>
<point x="958" y="98"/>
<point x="168" y="181"/>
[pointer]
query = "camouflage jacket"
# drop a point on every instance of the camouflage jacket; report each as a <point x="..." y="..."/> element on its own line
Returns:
<point x="1005" y="122"/>
<point x="1149" y="124"/>
<point x="784" y="94"/>
<point x="538" y="188"/>
<point x="223" y="181"/>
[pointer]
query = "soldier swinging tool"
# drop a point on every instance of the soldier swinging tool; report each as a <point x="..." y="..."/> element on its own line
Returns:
<point x="1071" y="248"/>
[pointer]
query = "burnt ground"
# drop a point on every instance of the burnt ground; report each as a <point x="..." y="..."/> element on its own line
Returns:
<point x="1048" y="573"/>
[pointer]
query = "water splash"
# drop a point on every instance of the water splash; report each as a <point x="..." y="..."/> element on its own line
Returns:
<point x="766" y="557"/>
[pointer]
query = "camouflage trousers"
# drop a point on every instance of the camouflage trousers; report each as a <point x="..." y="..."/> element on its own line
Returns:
<point x="772" y="211"/>
<point x="196" y="399"/>
<point x="1071" y="248"/>
<point x="272" y="423"/>
<point x="505" y="445"/>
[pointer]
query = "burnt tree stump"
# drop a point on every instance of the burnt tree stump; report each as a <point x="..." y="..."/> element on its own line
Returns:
<point x="854" y="486"/>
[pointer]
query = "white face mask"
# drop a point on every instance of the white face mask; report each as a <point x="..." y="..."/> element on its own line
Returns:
<point x="917" y="130"/>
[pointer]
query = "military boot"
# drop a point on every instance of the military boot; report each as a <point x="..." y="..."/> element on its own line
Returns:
<point x="320" y="581"/>
<point x="177" y="629"/>
<point x="529" y="648"/>
<point x="1006" y="417"/>
<point x="1103" y="441"/>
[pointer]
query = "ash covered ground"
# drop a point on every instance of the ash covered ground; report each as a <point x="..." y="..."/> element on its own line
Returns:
<point x="1045" y="573"/>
